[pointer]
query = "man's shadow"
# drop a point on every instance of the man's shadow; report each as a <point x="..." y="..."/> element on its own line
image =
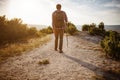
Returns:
<point x="105" y="74"/>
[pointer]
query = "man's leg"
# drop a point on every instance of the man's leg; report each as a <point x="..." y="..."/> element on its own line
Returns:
<point x="61" y="40"/>
<point x="56" y="39"/>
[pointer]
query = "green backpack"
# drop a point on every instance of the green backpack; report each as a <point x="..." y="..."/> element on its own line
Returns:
<point x="59" y="19"/>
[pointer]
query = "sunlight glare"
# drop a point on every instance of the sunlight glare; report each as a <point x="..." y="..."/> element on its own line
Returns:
<point x="28" y="10"/>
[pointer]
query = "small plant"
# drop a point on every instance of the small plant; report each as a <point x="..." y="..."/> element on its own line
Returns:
<point x="45" y="61"/>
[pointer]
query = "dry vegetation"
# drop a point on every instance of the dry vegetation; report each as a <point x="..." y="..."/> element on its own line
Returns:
<point x="18" y="48"/>
<point x="17" y="37"/>
<point x="45" y="61"/>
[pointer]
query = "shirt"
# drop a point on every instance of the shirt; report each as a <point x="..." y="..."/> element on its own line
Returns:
<point x="53" y="20"/>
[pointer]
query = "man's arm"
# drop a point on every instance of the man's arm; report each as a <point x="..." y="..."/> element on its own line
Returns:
<point x="53" y="19"/>
<point x="66" y="19"/>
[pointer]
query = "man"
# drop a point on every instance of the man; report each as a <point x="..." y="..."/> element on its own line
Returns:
<point x="59" y="20"/>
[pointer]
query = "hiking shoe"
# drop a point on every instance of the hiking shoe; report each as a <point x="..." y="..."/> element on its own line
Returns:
<point x="60" y="51"/>
<point x="55" y="49"/>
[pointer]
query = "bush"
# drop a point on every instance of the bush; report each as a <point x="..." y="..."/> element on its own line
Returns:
<point x="71" y="28"/>
<point x="111" y="41"/>
<point x="93" y="30"/>
<point x="85" y="27"/>
<point x="111" y="45"/>
<point x="47" y="30"/>
<point x="32" y="31"/>
<point x="101" y="26"/>
<point x="97" y="31"/>
<point x="13" y="30"/>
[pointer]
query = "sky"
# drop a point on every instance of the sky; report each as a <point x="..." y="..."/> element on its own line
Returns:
<point x="79" y="12"/>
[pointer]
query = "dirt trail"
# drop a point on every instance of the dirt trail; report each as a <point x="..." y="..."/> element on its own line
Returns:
<point x="80" y="61"/>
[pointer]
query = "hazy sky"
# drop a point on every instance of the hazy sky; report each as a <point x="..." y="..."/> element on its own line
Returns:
<point x="78" y="11"/>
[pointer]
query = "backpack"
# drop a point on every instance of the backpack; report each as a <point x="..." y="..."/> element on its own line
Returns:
<point x="59" y="19"/>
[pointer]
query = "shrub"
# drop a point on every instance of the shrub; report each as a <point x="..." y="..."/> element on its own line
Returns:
<point x="111" y="45"/>
<point x="32" y="31"/>
<point x="93" y="30"/>
<point x="97" y="31"/>
<point x="85" y="27"/>
<point x="47" y="30"/>
<point x="71" y="28"/>
<point x="12" y="30"/>
<point x="101" y="26"/>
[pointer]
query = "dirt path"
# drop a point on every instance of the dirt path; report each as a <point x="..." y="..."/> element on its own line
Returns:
<point x="80" y="61"/>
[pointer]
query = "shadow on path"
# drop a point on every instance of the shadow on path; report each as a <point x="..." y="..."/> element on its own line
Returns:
<point x="107" y="75"/>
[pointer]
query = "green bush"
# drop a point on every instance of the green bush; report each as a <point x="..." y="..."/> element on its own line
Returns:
<point x="111" y="45"/>
<point x="71" y="28"/>
<point x="97" y="31"/>
<point x="111" y="41"/>
<point x="85" y="27"/>
<point x="101" y="26"/>
<point x="47" y="30"/>
<point x="93" y="30"/>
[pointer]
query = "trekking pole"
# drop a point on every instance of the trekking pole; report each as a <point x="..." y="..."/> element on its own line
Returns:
<point x="67" y="39"/>
<point x="67" y="34"/>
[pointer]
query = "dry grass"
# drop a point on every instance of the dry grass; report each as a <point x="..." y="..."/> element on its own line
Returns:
<point x="19" y="48"/>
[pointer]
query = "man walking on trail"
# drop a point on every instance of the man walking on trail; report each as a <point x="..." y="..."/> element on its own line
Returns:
<point x="59" y="21"/>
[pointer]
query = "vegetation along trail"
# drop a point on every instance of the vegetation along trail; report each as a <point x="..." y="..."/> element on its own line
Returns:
<point x="82" y="60"/>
